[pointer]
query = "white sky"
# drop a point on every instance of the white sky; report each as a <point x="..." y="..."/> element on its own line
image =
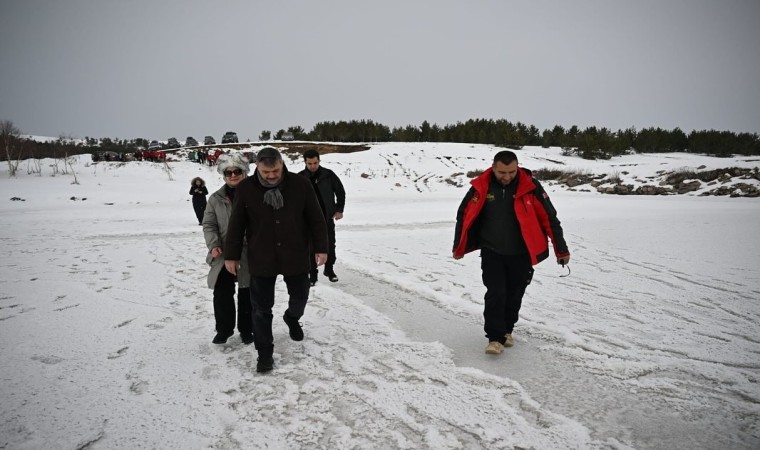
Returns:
<point x="142" y="68"/>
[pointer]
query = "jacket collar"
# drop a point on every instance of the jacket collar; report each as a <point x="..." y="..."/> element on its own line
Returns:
<point x="524" y="181"/>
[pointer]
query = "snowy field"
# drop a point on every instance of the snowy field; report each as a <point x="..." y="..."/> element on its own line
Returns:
<point x="106" y="323"/>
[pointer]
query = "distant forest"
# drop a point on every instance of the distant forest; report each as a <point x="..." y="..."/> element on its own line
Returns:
<point x="589" y="143"/>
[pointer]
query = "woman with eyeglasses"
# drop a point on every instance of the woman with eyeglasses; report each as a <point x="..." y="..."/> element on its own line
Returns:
<point x="234" y="168"/>
<point x="199" y="192"/>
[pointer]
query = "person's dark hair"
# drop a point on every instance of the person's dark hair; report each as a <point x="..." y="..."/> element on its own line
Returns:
<point x="312" y="153"/>
<point x="192" y="183"/>
<point x="505" y="157"/>
<point x="268" y="156"/>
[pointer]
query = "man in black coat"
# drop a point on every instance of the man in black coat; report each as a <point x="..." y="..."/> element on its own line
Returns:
<point x="279" y="216"/>
<point x="332" y="199"/>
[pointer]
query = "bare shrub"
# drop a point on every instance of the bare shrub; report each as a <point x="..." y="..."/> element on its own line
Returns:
<point x="68" y="160"/>
<point x="614" y="178"/>
<point x="572" y="178"/>
<point x="169" y="171"/>
<point x="549" y="174"/>
<point x="33" y="166"/>
<point x="10" y="140"/>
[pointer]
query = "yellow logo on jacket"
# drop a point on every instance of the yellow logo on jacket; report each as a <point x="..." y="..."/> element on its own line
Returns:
<point x="490" y="197"/>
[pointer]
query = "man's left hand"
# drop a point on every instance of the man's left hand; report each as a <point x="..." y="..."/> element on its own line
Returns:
<point x="338" y="215"/>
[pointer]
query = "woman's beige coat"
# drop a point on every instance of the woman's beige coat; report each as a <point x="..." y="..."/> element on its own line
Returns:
<point x="215" y="221"/>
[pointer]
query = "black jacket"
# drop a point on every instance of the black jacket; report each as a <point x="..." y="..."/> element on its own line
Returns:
<point x="278" y="240"/>
<point x="330" y="190"/>
<point x="199" y="198"/>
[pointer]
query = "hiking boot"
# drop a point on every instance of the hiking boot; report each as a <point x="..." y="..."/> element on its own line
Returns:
<point x="509" y="341"/>
<point x="330" y="274"/>
<point x="247" y="338"/>
<point x="221" y="338"/>
<point x="294" y="327"/>
<point x="494" y="348"/>
<point x="264" y="364"/>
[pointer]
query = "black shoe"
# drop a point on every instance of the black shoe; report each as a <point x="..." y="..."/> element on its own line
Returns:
<point x="296" y="332"/>
<point x="264" y="364"/>
<point x="247" y="338"/>
<point x="312" y="279"/>
<point x="331" y="275"/>
<point x="221" y="338"/>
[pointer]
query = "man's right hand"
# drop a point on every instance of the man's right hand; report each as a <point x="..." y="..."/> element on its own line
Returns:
<point x="231" y="265"/>
<point x="320" y="258"/>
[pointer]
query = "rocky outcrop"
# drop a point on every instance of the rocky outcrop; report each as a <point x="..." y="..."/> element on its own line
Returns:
<point x="685" y="187"/>
<point x="735" y="190"/>
<point x="675" y="183"/>
<point x="653" y="190"/>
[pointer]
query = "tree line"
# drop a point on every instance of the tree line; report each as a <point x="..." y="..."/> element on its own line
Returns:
<point x="589" y="143"/>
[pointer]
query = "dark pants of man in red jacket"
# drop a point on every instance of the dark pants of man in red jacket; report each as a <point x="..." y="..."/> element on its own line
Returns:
<point x="505" y="278"/>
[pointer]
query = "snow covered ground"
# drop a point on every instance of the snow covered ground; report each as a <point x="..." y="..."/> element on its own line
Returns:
<point x="652" y="342"/>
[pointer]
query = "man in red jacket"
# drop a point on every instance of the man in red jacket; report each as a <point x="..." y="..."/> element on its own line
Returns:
<point x="508" y="216"/>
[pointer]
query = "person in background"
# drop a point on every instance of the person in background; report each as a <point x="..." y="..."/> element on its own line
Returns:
<point x="234" y="169"/>
<point x="508" y="216"/>
<point x="332" y="199"/>
<point x="278" y="213"/>
<point x="199" y="192"/>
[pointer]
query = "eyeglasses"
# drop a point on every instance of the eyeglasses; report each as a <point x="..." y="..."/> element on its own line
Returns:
<point x="229" y="173"/>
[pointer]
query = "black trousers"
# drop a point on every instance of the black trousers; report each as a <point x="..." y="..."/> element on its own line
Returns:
<point x="262" y="300"/>
<point x="224" y="305"/>
<point x="199" y="208"/>
<point x="330" y="249"/>
<point x="505" y="278"/>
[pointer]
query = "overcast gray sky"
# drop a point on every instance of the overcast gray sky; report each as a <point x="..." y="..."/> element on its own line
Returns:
<point x="161" y="68"/>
